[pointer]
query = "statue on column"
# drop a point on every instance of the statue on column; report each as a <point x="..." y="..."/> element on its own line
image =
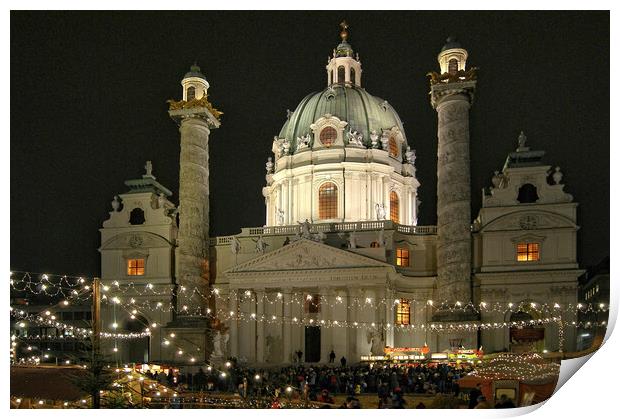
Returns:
<point x="269" y="165"/>
<point x="235" y="245"/>
<point x="385" y="141"/>
<point x="161" y="200"/>
<point x="410" y="154"/>
<point x="557" y="175"/>
<point x="149" y="168"/>
<point x="381" y="211"/>
<point x="305" y="229"/>
<point x="280" y="216"/>
<point x="116" y="203"/>
<point x="260" y="245"/>
<point x="521" y="140"/>
<point x="352" y="240"/>
<point x="374" y="139"/>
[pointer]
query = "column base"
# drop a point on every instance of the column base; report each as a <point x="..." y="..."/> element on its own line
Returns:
<point x="193" y="335"/>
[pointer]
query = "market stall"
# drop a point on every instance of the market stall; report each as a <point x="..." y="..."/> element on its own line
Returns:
<point x="524" y="378"/>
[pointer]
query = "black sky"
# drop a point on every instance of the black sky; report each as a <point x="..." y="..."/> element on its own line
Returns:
<point x="88" y="92"/>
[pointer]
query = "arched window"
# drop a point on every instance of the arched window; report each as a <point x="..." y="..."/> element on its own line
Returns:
<point x="375" y="244"/>
<point x="394" y="207"/>
<point x="136" y="216"/>
<point x="328" y="201"/>
<point x="393" y="147"/>
<point x="453" y="66"/>
<point x="527" y="194"/>
<point x="341" y="74"/>
<point x="191" y="93"/>
<point x="352" y="76"/>
<point x="328" y="136"/>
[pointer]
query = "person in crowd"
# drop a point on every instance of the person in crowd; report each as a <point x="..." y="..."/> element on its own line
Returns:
<point x="482" y="403"/>
<point x="343" y="362"/>
<point x="474" y="393"/>
<point x="504" y="402"/>
<point x="332" y="357"/>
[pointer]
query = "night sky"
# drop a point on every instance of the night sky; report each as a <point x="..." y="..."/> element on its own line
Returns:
<point x="89" y="91"/>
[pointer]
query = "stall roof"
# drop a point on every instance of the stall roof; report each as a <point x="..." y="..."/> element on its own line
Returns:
<point x="47" y="383"/>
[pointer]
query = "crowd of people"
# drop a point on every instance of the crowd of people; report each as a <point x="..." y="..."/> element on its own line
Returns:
<point x="319" y="382"/>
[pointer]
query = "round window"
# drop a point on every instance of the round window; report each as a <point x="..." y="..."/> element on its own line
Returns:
<point x="328" y="136"/>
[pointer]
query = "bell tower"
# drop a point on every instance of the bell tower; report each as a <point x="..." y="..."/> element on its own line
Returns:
<point x="452" y="93"/>
<point x="196" y="117"/>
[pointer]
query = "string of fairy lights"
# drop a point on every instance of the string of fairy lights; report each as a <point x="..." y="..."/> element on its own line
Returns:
<point x="138" y="299"/>
<point x="138" y="292"/>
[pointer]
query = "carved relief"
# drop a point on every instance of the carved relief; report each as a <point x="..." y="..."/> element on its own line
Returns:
<point x="528" y="222"/>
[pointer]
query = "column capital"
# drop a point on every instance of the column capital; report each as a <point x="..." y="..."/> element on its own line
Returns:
<point x="443" y="91"/>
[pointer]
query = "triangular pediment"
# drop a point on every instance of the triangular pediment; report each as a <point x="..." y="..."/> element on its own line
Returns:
<point x="307" y="255"/>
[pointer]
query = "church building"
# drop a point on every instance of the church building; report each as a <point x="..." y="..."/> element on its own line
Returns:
<point x="343" y="263"/>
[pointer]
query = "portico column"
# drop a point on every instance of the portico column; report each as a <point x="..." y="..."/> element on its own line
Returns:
<point x="353" y="295"/>
<point x="233" y="301"/>
<point x="326" y="333"/>
<point x="260" y="325"/>
<point x="389" y="317"/>
<point x="287" y="295"/>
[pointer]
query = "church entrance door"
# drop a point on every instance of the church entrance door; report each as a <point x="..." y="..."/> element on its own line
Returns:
<point x="313" y="343"/>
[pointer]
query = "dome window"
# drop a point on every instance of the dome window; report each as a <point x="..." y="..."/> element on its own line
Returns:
<point x="328" y="136"/>
<point x="328" y="201"/>
<point x="352" y="75"/>
<point x="394" y="207"/>
<point x="341" y="74"/>
<point x="191" y="93"/>
<point x="393" y="147"/>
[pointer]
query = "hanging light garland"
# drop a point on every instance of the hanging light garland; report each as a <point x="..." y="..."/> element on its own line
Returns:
<point x="68" y="287"/>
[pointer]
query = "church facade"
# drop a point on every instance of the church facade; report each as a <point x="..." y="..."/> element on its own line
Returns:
<point x="341" y="264"/>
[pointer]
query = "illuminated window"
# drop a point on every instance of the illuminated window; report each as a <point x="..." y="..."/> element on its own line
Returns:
<point x="313" y="305"/>
<point x="328" y="136"/>
<point x="191" y="93"/>
<point x="403" y="310"/>
<point x="402" y="257"/>
<point x="135" y="267"/>
<point x="328" y="201"/>
<point x="394" y="207"/>
<point x="527" y="252"/>
<point x="453" y="66"/>
<point x="393" y="147"/>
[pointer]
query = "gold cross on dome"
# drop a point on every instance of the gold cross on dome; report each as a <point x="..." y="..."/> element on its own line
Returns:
<point x="344" y="34"/>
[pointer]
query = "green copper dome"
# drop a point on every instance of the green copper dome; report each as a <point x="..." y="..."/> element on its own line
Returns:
<point x="363" y="112"/>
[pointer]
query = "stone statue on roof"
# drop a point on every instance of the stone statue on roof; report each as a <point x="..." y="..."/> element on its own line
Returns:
<point x="522" y="139"/>
<point x="149" y="168"/>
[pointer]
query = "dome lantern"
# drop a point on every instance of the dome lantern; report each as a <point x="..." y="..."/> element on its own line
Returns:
<point x="344" y="67"/>
<point x="194" y="83"/>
